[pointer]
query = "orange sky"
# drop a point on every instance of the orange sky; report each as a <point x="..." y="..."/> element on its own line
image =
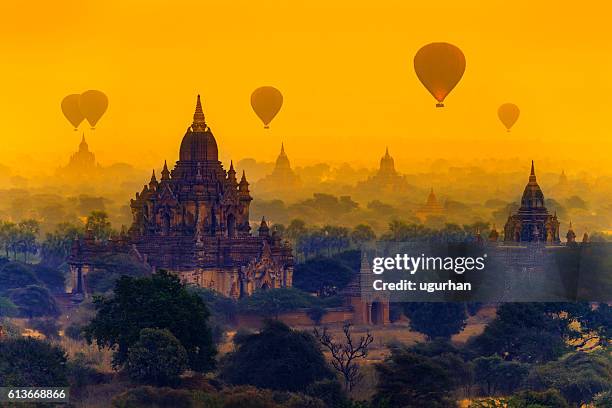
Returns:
<point x="345" y="71"/>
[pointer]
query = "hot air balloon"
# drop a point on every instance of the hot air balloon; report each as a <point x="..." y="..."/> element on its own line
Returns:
<point x="70" y="108"/>
<point x="439" y="67"/>
<point x="508" y="113"/>
<point x="93" y="104"/>
<point x="266" y="102"/>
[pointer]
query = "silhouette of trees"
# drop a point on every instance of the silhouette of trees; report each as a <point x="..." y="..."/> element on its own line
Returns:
<point x="161" y="302"/>
<point x="345" y="353"/>
<point x="278" y="358"/>
<point x="27" y="362"/>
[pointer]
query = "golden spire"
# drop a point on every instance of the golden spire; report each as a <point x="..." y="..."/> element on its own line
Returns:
<point x="199" y="122"/>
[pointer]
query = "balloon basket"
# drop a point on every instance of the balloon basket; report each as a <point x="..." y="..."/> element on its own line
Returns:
<point x="266" y="127"/>
<point x="439" y="105"/>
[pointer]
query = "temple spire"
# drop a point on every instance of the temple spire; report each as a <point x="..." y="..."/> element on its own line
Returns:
<point x="282" y="152"/>
<point x="165" y="172"/>
<point x="199" y="121"/>
<point x="532" y="175"/>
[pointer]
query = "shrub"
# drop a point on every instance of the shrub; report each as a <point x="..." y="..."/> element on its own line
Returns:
<point x="151" y="397"/>
<point x="157" y="358"/>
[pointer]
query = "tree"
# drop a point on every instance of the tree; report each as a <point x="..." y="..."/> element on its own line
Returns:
<point x="27" y="362"/>
<point x="110" y="267"/>
<point x="411" y="380"/>
<point x="161" y="302"/>
<point x="496" y="375"/>
<point x="99" y="225"/>
<point x="8" y="235"/>
<point x="533" y="332"/>
<point x="157" y="358"/>
<point x="34" y="301"/>
<point x="57" y="245"/>
<point x="346" y="353"/>
<point x="579" y="376"/>
<point x="534" y="399"/>
<point x="324" y="276"/>
<point x="278" y="358"/>
<point x="272" y="302"/>
<point x="27" y="231"/>
<point x="436" y="319"/>
<point x="362" y="233"/>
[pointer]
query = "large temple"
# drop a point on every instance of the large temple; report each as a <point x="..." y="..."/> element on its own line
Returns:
<point x="194" y="221"/>
<point x="532" y="222"/>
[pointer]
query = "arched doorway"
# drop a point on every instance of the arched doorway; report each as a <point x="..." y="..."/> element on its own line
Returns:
<point x="265" y="286"/>
<point x="376" y="313"/>
<point x="231" y="226"/>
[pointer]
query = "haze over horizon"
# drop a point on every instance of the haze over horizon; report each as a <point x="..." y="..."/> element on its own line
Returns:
<point x="345" y="72"/>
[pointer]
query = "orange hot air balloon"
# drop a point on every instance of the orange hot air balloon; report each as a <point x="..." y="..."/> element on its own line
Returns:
<point x="439" y="67"/>
<point x="266" y="102"/>
<point x="70" y="108"/>
<point x="508" y="113"/>
<point x="93" y="104"/>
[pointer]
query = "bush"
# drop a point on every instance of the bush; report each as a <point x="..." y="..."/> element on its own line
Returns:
<point x="157" y="358"/>
<point x="151" y="397"/>
<point x="8" y="308"/>
<point x="74" y="331"/>
<point x="81" y="373"/>
<point x="16" y="275"/>
<point x="531" y="399"/>
<point x="278" y="358"/>
<point x="34" y="301"/>
<point x="52" y="278"/>
<point x="27" y="362"/>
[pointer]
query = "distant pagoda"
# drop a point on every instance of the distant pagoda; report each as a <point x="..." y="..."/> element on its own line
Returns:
<point x="532" y="222"/>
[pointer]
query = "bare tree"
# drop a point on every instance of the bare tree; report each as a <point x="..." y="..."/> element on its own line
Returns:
<point x="345" y="353"/>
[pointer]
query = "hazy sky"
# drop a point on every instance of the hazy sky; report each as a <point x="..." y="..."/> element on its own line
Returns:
<point x="344" y="69"/>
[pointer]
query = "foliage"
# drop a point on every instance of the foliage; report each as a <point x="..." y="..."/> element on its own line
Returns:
<point x="272" y="302"/>
<point x="329" y="391"/>
<point x="495" y="375"/>
<point x="411" y="380"/>
<point x="81" y="373"/>
<point x="34" y="301"/>
<point x="7" y="308"/>
<point x="99" y="225"/>
<point x="57" y="245"/>
<point x="362" y="233"/>
<point x="157" y="358"/>
<point x="16" y="275"/>
<point x="151" y="397"/>
<point x="603" y="400"/>
<point x="436" y="319"/>
<point x="52" y="278"/>
<point x="27" y="362"/>
<point x="324" y="276"/>
<point x="110" y="267"/>
<point x="578" y="376"/>
<point x="277" y="358"/>
<point x="160" y="301"/>
<point x="533" y="399"/>
<point x="528" y="332"/>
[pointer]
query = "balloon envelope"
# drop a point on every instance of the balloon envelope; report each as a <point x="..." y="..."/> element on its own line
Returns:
<point x="266" y="101"/>
<point x="508" y="113"/>
<point x="439" y="67"/>
<point x="93" y="104"/>
<point x="71" y="110"/>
